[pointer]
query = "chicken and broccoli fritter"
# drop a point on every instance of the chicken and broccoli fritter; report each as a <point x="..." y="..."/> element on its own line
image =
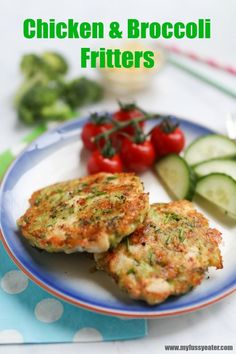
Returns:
<point x="167" y="255"/>
<point x="88" y="214"/>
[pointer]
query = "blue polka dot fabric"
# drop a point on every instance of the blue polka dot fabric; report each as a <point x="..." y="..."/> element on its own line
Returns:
<point x="28" y="314"/>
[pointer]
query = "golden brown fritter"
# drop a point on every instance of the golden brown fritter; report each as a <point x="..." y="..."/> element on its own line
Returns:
<point x="167" y="255"/>
<point x="88" y="214"/>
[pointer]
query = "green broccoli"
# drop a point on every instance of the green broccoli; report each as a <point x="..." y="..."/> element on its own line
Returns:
<point x="81" y="91"/>
<point x="26" y="115"/>
<point x="26" y="86"/>
<point x="58" y="111"/>
<point x="39" y="71"/>
<point x="50" y="64"/>
<point x="31" y="64"/>
<point x="33" y="100"/>
<point x="39" y="96"/>
<point x="45" y="95"/>
<point x="55" y="62"/>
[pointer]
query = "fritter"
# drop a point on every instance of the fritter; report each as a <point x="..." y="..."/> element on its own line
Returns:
<point x="88" y="214"/>
<point x="167" y="255"/>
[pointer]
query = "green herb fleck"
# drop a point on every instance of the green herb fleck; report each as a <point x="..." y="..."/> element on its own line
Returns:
<point x="52" y="223"/>
<point x="127" y="244"/>
<point x="168" y="240"/>
<point x="71" y="210"/>
<point x="166" y="218"/>
<point x="145" y="268"/>
<point x="120" y="197"/>
<point x="181" y="235"/>
<point x="171" y="216"/>
<point x="107" y="211"/>
<point x="151" y="257"/>
<point x="110" y="178"/>
<point x="131" y="271"/>
<point x="96" y="193"/>
<point x="59" y="191"/>
<point x="37" y="201"/>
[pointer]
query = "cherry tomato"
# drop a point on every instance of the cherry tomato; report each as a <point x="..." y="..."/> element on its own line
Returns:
<point x="90" y="130"/>
<point x="137" y="157"/>
<point x="167" y="143"/>
<point x="124" y="115"/>
<point x="98" y="163"/>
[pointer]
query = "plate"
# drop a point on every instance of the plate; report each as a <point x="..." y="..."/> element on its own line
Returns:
<point x="58" y="155"/>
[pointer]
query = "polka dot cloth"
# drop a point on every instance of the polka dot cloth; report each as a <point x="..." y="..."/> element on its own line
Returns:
<point x="28" y="314"/>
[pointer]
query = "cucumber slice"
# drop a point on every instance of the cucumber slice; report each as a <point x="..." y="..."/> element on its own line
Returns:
<point x="209" y="147"/>
<point x="219" y="189"/>
<point x="177" y="176"/>
<point x="225" y="166"/>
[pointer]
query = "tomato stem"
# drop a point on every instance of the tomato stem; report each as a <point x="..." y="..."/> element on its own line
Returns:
<point x="120" y="125"/>
<point x="108" y="150"/>
<point x="139" y="136"/>
<point x="168" y="126"/>
<point x="99" y="118"/>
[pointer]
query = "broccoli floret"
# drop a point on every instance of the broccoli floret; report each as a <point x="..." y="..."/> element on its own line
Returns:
<point x="33" y="100"/>
<point x="95" y="91"/>
<point x="59" y="111"/>
<point x="50" y="64"/>
<point x="39" y="96"/>
<point x="28" y="85"/>
<point x="43" y="103"/>
<point x="44" y="94"/>
<point x="56" y="62"/>
<point x="31" y="64"/>
<point x="26" y="115"/>
<point x="81" y="91"/>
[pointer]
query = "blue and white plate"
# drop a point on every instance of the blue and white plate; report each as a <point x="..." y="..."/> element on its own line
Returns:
<point x="57" y="156"/>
